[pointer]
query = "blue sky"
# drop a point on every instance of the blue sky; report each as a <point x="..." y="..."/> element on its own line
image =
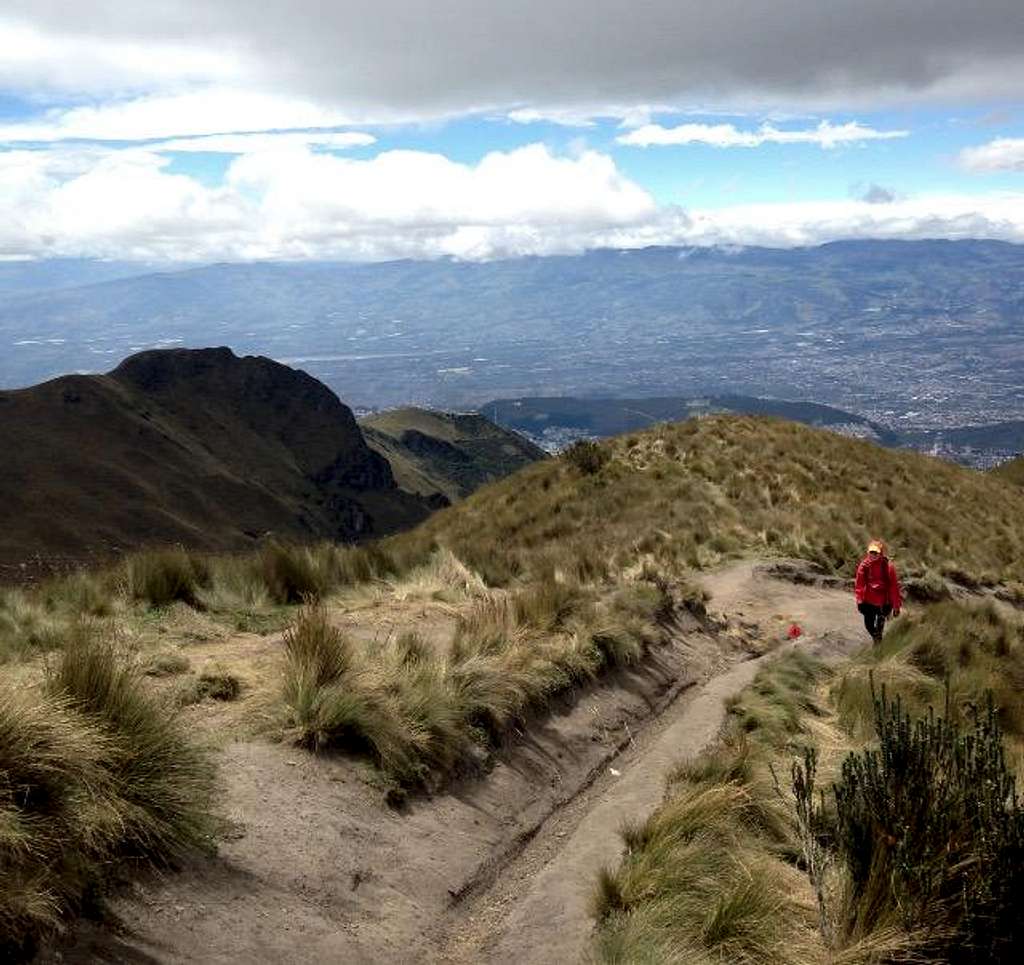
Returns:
<point x="196" y="132"/>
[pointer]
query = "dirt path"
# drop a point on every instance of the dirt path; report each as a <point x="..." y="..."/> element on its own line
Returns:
<point x="538" y="910"/>
<point x="498" y="870"/>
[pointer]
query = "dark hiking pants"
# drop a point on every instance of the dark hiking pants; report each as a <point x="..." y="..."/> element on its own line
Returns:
<point x="874" y="619"/>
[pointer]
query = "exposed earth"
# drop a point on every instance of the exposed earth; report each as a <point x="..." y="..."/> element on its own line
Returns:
<point x="318" y="869"/>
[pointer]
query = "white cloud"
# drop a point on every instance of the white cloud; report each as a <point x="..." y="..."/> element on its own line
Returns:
<point x="301" y="204"/>
<point x="587" y="115"/>
<point x="261" y="143"/>
<point x="1002" y="154"/>
<point x="825" y="135"/>
<point x="223" y="110"/>
<point x="998" y="216"/>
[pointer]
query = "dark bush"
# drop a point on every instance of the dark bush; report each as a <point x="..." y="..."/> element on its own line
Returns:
<point x="586" y="455"/>
<point x="932" y="830"/>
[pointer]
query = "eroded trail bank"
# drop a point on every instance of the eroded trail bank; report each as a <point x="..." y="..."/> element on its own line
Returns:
<point x="538" y="911"/>
<point x="498" y="869"/>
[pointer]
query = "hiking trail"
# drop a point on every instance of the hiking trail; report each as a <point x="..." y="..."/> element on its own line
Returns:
<point x="499" y="869"/>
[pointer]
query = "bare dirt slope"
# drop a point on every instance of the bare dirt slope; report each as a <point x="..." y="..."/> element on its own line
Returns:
<point x="496" y="870"/>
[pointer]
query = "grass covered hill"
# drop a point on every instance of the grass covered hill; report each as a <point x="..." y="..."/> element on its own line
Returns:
<point x="688" y="495"/>
<point x="1012" y="471"/>
<point x="527" y="589"/>
<point x="449" y="453"/>
<point x="192" y="446"/>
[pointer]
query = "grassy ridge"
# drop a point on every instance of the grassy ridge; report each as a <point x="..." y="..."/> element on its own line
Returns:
<point x="690" y="494"/>
<point x="685" y="867"/>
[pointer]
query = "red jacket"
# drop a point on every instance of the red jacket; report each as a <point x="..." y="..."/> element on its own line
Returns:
<point x="877" y="583"/>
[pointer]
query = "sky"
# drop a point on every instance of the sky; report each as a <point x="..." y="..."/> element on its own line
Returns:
<point x="224" y="130"/>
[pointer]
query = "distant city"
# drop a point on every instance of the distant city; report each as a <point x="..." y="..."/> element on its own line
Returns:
<point x="920" y="339"/>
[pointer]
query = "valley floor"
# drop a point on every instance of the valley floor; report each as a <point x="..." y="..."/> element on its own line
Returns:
<point x="495" y="870"/>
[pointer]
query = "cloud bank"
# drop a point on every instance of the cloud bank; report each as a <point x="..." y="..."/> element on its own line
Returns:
<point x="397" y="59"/>
<point x="293" y="202"/>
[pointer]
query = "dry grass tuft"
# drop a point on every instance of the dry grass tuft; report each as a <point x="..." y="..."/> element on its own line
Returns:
<point x="93" y="772"/>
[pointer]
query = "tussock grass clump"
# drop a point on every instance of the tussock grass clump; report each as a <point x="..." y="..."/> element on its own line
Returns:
<point x="165" y="665"/>
<point x="162" y="576"/>
<point x="972" y="647"/>
<point x="291" y="574"/>
<point x="777" y="702"/>
<point x="93" y="772"/>
<point x="164" y="780"/>
<point x="425" y="713"/>
<point x="392" y="701"/>
<point x="26" y="628"/>
<point x="209" y="685"/>
<point x="694" y="888"/>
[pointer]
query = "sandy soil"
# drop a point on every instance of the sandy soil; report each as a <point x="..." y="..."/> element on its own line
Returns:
<point x="498" y="870"/>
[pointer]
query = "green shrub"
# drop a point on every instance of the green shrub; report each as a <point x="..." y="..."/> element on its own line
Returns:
<point x="587" y="456"/>
<point x="931" y="830"/>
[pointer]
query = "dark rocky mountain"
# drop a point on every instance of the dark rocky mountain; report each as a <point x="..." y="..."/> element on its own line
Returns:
<point x="192" y="446"/>
<point x="446" y="454"/>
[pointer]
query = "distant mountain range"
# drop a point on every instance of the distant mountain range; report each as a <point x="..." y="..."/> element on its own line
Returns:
<point x="913" y="336"/>
<point x="214" y="452"/>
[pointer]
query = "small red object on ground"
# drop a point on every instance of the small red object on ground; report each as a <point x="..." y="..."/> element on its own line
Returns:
<point x="794" y="631"/>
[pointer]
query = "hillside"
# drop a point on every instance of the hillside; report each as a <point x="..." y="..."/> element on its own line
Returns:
<point x="691" y="494"/>
<point x="445" y="453"/>
<point x="198" y="447"/>
<point x="1012" y="471"/>
<point x="507" y="679"/>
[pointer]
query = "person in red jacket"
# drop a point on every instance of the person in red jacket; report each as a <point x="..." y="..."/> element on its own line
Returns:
<point x="877" y="588"/>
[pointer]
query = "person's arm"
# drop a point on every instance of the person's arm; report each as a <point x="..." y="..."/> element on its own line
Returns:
<point x="895" y="591"/>
<point x="860" y="582"/>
